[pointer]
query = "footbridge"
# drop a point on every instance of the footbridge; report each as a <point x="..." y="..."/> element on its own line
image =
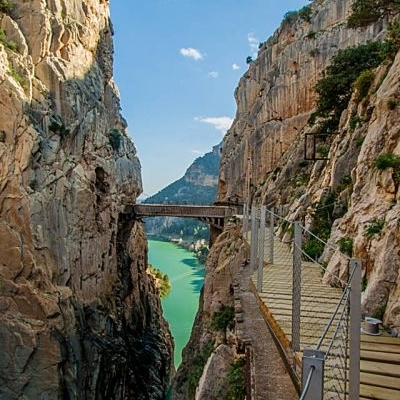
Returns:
<point x="214" y="215"/>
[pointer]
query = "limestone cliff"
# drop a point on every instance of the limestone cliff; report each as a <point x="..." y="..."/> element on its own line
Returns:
<point x="265" y="146"/>
<point x="79" y="316"/>
<point x="213" y="345"/>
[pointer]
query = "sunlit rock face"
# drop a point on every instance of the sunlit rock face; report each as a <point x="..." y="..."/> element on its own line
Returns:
<point x="263" y="152"/>
<point x="79" y="316"/>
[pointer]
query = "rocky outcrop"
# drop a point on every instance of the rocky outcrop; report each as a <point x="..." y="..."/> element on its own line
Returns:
<point x="264" y="158"/>
<point x="79" y="316"/>
<point x="210" y="350"/>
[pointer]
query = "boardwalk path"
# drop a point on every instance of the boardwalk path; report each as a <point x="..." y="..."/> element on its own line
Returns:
<point x="272" y="382"/>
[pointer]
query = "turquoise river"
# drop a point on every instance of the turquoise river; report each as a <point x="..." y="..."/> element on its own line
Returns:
<point x="186" y="275"/>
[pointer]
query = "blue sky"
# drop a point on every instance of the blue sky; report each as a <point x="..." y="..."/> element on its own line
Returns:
<point x="177" y="64"/>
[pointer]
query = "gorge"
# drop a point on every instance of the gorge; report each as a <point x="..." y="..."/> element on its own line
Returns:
<point x="80" y="318"/>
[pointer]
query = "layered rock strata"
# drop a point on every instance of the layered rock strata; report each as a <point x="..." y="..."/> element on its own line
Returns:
<point x="264" y="158"/>
<point x="79" y="316"/>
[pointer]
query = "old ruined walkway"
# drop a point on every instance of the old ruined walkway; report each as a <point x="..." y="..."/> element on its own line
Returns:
<point x="271" y="379"/>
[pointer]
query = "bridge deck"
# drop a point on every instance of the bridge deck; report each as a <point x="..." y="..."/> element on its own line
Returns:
<point x="380" y="355"/>
<point x="171" y="210"/>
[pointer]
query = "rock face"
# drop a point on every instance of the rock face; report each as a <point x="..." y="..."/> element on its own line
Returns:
<point x="79" y="316"/>
<point x="263" y="153"/>
<point x="209" y="352"/>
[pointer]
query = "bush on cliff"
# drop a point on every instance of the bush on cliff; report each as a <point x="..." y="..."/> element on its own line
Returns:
<point x="6" y="6"/>
<point x="223" y="318"/>
<point x="366" y="12"/>
<point x="335" y="89"/>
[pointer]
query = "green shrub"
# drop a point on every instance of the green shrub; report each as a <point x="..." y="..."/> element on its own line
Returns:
<point x="313" y="248"/>
<point x="387" y="160"/>
<point x="355" y="120"/>
<point x="236" y="380"/>
<point x="314" y="52"/>
<point x="57" y="126"/>
<point x="335" y="89"/>
<point x="346" y="245"/>
<point x="392" y="43"/>
<point x="374" y="227"/>
<point x="305" y="13"/>
<point x="322" y="220"/>
<point x="311" y="35"/>
<point x="6" y="6"/>
<point x="162" y="281"/>
<point x="366" y="12"/>
<point x="115" y="139"/>
<point x="290" y="17"/>
<point x="223" y="318"/>
<point x="322" y="151"/>
<point x="359" y="141"/>
<point x="197" y="365"/>
<point x="363" y="83"/>
<point x="9" y="44"/>
<point x="18" y="77"/>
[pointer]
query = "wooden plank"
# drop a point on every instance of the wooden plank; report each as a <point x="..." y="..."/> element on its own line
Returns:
<point x="380" y="368"/>
<point x="373" y="392"/>
<point x="380" y="380"/>
<point x="393" y="358"/>
<point x="380" y="347"/>
<point x="380" y="339"/>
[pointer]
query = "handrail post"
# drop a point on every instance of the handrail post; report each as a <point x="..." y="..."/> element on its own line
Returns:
<point x="253" y="241"/>
<point x="245" y="220"/>
<point x="355" y="327"/>
<point x="271" y="238"/>
<point x="313" y="363"/>
<point x="261" y="244"/>
<point x="296" y="287"/>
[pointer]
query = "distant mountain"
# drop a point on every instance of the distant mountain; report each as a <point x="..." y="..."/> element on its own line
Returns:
<point x="197" y="186"/>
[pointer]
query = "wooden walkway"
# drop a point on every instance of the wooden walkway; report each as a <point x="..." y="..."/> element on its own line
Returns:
<point x="213" y="215"/>
<point x="380" y="355"/>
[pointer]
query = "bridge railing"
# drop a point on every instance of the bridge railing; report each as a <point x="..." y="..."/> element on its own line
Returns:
<point x="323" y="331"/>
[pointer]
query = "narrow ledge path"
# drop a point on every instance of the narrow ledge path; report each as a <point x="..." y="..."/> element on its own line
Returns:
<point x="271" y="381"/>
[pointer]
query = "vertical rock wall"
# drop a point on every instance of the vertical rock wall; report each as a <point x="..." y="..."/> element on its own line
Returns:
<point x="265" y="147"/>
<point x="79" y="316"/>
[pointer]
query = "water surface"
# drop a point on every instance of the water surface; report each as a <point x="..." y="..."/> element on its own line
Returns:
<point x="186" y="275"/>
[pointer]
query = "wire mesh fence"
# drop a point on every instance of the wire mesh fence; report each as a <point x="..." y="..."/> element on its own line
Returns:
<point x="308" y="305"/>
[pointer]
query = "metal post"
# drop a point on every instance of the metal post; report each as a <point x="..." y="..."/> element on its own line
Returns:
<point x="253" y="241"/>
<point x="312" y="387"/>
<point x="355" y="326"/>
<point x="261" y="249"/>
<point x="296" y="289"/>
<point x="245" y="220"/>
<point x="271" y="238"/>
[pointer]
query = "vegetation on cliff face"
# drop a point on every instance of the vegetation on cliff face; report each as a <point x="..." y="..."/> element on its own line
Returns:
<point x="366" y="12"/>
<point x="162" y="281"/>
<point x="336" y="88"/>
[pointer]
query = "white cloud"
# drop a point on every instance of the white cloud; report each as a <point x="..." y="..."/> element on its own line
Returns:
<point x="213" y="74"/>
<point x="254" y="43"/>
<point x="235" y="67"/>
<point x="191" y="53"/>
<point x="220" y="123"/>
<point x="198" y="152"/>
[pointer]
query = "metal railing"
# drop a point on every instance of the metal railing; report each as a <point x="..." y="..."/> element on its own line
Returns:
<point x="325" y="309"/>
